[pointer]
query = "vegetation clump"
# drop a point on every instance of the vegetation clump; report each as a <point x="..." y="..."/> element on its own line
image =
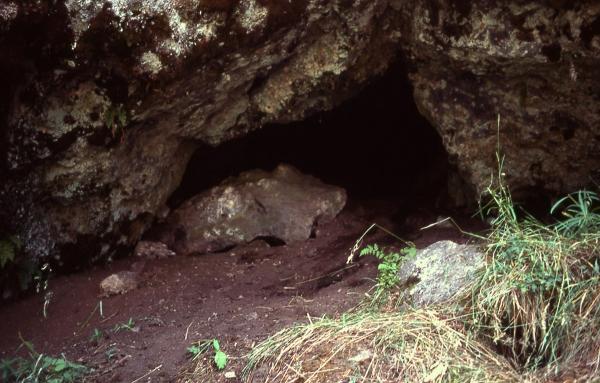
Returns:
<point x="40" y="368"/>
<point x="416" y="345"/>
<point x="539" y="296"/>
<point x="387" y="270"/>
<point x="204" y="367"/>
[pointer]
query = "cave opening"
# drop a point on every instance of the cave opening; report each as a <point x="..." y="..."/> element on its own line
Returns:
<point x="376" y="145"/>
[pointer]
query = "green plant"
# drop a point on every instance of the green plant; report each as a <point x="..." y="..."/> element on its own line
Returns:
<point x="128" y="326"/>
<point x="387" y="270"/>
<point x="40" y="368"/>
<point x="96" y="336"/>
<point x="581" y="211"/>
<point x="9" y="246"/>
<point x="111" y="353"/>
<point x="115" y="119"/>
<point x="539" y="296"/>
<point x="199" y="348"/>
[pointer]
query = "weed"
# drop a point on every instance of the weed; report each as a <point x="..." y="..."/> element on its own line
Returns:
<point x="127" y="326"/>
<point x="111" y="353"/>
<point x="115" y="119"/>
<point x="581" y="211"/>
<point x="389" y="263"/>
<point x="387" y="276"/>
<point x="9" y="247"/>
<point x="96" y="336"/>
<point x="40" y="368"/>
<point x="199" y="348"/>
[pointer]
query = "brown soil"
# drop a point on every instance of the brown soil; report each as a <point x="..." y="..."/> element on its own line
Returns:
<point x="239" y="297"/>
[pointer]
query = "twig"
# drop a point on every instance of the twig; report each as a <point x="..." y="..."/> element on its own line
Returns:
<point x="148" y="373"/>
<point x="360" y="239"/>
<point x="109" y="317"/>
<point x="82" y="326"/>
<point x="187" y="330"/>
<point x="455" y="225"/>
<point x="328" y="274"/>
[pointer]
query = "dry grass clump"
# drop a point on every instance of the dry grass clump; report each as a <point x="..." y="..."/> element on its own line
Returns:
<point x="538" y="299"/>
<point x="420" y="345"/>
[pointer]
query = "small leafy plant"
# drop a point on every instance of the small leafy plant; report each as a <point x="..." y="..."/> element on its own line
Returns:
<point x="387" y="276"/>
<point x="127" y="326"/>
<point x="115" y="119"/>
<point x="389" y="264"/>
<point x="199" y="348"/>
<point x="96" y="336"/>
<point x="40" y="368"/>
<point x="9" y="247"/>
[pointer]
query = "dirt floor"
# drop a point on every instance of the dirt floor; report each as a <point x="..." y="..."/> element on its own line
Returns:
<point x="238" y="297"/>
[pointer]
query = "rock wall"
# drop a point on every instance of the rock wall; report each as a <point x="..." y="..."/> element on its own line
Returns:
<point x="110" y="105"/>
<point x="103" y="102"/>
<point x="534" y="63"/>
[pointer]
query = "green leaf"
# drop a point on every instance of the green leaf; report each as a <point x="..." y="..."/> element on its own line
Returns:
<point x="122" y="117"/>
<point x="60" y="365"/>
<point x="409" y="251"/>
<point x="7" y="252"/>
<point x="220" y="359"/>
<point x="216" y="345"/>
<point x="194" y="350"/>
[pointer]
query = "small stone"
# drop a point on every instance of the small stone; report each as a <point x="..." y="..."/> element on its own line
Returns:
<point x="119" y="283"/>
<point x="230" y="375"/>
<point x="361" y="356"/>
<point x="151" y="249"/>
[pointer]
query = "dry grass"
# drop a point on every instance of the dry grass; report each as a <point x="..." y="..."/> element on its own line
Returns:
<point x="538" y="299"/>
<point x="412" y="346"/>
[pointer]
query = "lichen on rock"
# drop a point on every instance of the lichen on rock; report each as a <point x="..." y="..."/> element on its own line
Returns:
<point x="439" y="271"/>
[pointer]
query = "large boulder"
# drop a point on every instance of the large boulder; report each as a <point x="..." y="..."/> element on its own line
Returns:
<point x="284" y="204"/>
<point x="534" y="63"/>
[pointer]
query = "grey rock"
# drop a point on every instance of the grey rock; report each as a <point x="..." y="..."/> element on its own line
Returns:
<point x="284" y="204"/>
<point x="119" y="283"/>
<point x="439" y="271"/>
<point x="152" y="249"/>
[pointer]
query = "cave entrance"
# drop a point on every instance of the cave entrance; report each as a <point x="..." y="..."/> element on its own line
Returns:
<point x="376" y="145"/>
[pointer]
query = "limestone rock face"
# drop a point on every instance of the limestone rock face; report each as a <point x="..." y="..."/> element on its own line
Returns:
<point x="534" y="63"/>
<point x="103" y="102"/>
<point x="439" y="271"/>
<point x="284" y="204"/>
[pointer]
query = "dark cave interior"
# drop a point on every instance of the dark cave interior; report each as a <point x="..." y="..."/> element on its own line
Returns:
<point x="376" y="145"/>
